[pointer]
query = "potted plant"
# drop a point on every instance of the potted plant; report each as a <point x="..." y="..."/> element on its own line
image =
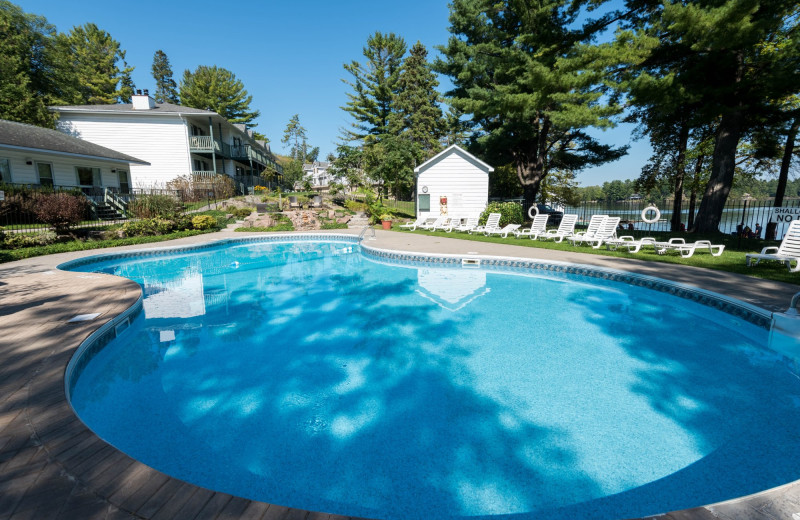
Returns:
<point x="386" y="221"/>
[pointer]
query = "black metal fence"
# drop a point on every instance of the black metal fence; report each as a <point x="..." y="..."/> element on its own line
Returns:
<point x="105" y="206"/>
<point x="738" y="215"/>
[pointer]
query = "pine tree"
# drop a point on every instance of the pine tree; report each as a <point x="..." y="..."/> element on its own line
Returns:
<point x="417" y="116"/>
<point x="746" y="55"/>
<point x="126" y="85"/>
<point x="374" y="86"/>
<point x="93" y="55"/>
<point x="519" y="69"/>
<point x="295" y="135"/>
<point x="217" y="89"/>
<point x="166" y="87"/>
<point x="33" y="73"/>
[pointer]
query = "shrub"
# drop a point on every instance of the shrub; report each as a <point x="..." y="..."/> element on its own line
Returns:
<point x="19" y="240"/>
<point x="60" y="211"/>
<point x="511" y="212"/>
<point x="242" y="212"/>
<point x="354" y="205"/>
<point x="152" y="206"/>
<point x="204" y="222"/>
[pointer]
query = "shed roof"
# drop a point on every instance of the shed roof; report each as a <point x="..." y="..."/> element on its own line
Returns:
<point x="20" y="136"/>
<point x="453" y="149"/>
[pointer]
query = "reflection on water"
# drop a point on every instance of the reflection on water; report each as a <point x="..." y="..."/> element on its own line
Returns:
<point x="309" y="376"/>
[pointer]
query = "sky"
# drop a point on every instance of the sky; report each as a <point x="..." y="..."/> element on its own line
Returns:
<point x="288" y="54"/>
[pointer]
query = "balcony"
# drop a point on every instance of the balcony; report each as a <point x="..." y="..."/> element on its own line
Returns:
<point x="204" y="144"/>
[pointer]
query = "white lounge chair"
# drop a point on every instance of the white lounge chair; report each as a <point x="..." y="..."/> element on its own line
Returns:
<point x="431" y="226"/>
<point x="502" y="231"/>
<point x="630" y="243"/>
<point x="606" y="231"/>
<point x="565" y="228"/>
<point x="594" y="224"/>
<point x="469" y="225"/>
<point x="687" y="249"/>
<point x="538" y="227"/>
<point x="447" y="224"/>
<point x="412" y="225"/>
<point x="787" y="252"/>
<point x="492" y="222"/>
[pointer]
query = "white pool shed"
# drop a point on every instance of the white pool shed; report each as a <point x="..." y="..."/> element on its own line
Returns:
<point x="453" y="182"/>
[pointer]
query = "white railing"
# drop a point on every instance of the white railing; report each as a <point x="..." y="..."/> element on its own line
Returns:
<point x="203" y="173"/>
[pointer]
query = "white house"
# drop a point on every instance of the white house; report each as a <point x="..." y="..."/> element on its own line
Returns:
<point x="454" y="182"/>
<point x="317" y="173"/>
<point x="40" y="156"/>
<point x="174" y="140"/>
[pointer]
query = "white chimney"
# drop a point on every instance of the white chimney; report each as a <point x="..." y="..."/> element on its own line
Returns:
<point x="143" y="101"/>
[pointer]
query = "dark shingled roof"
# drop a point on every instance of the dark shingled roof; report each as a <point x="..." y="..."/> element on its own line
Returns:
<point x="32" y="137"/>
<point x="160" y="108"/>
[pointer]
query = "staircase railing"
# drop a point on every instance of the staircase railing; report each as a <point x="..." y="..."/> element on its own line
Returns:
<point x="110" y="198"/>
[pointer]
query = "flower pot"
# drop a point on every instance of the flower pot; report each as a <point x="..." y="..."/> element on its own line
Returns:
<point x="387" y="224"/>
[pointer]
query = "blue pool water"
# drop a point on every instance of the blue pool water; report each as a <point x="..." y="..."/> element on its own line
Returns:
<point x="312" y="376"/>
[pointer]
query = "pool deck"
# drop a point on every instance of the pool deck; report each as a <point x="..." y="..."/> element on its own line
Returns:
<point x="52" y="466"/>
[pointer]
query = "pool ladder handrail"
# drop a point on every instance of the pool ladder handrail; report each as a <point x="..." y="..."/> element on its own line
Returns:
<point x="364" y="231"/>
<point x="794" y="306"/>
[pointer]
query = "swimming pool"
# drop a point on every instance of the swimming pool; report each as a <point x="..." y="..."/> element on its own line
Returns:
<point x="315" y="376"/>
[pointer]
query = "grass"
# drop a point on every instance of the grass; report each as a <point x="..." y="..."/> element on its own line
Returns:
<point x="732" y="259"/>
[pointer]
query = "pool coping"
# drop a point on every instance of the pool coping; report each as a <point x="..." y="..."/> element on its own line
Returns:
<point x="51" y="463"/>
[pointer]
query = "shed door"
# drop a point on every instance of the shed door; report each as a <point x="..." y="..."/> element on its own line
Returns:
<point x="423" y="203"/>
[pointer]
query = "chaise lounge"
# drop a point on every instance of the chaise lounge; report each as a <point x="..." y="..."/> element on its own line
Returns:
<point x="787" y="252"/>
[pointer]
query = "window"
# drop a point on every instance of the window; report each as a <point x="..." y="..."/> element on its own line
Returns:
<point x="124" y="183"/>
<point x="45" y="171"/>
<point x="196" y="130"/>
<point x="5" y="170"/>
<point x="88" y="176"/>
<point x="424" y="203"/>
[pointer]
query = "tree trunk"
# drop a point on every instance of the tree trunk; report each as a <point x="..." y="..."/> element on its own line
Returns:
<point x="698" y="168"/>
<point x="723" y="166"/>
<point x="783" y="177"/>
<point x="530" y="164"/>
<point x="683" y="139"/>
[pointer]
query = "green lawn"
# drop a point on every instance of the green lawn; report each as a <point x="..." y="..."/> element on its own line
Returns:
<point x="731" y="260"/>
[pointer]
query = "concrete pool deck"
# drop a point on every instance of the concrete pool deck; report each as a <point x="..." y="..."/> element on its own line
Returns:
<point x="52" y="466"/>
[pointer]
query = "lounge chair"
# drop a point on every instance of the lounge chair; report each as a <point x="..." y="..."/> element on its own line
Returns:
<point x="502" y="231"/>
<point x="492" y="222"/>
<point x="538" y="227"/>
<point x="565" y="228"/>
<point x="630" y="243"/>
<point x="293" y="202"/>
<point x="447" y="224"/>
<point x="606" y="231"/>
<point x="594" y="224"/>
<point x="412" y="225"/>
<point x="431" y="226"/>
<point x="687" y="249"/>
<point x="469" y="225"/>
<point x="787" y="252"/>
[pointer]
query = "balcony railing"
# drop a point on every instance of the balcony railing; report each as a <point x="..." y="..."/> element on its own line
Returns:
<point x="204" y="143"/>
<point x="203" y="173"/>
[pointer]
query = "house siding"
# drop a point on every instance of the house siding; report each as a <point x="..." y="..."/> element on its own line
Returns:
<point x="160" y="140"/>
<point x="64" y="173"/>
<point x="465" y="185"/>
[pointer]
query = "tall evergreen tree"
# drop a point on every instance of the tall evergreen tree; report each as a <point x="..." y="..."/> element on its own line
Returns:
<point x="374" y="86"/>
<point x="747" y="54"/>
<point x="33" y="72"/>
<point x="519" y="70"/>
<point x="417" y="116"/>
<point x="126" y="85"/>
<point x="217" y="89"/>
<point x="166" y="87"/>
<point x="93" y="55"/>
<point x="295" y="135"/>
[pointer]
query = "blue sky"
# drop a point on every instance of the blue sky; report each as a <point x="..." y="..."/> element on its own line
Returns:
<point x="288" y="54"/>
